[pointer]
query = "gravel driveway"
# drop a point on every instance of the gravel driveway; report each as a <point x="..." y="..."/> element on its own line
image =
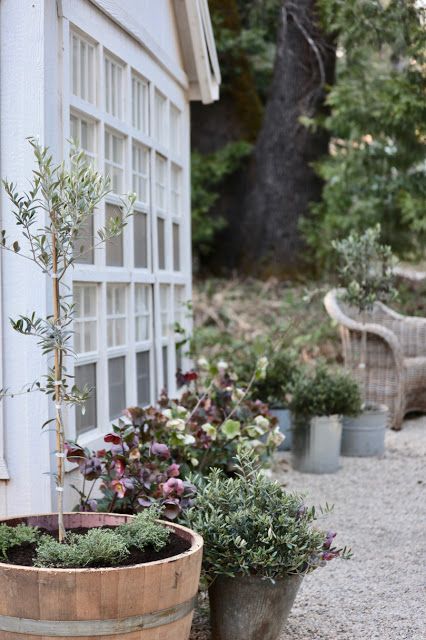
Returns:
<point x="379" y="511"/>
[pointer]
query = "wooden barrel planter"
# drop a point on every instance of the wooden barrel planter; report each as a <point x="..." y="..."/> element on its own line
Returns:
<point x="151" y="601"/>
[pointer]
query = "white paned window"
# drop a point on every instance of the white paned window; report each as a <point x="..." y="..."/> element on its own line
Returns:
<point x="114" y="246"/>
<point x="160" y="181"/>
<point x="114" y="94"/>
<point x="175" y="133"/>
<point x="140" y="102"/>
<point x="83" y="76"/>
<point x="131" y="118"/>
<point x="140" y="172"/>
<point x="165" y="310"/>
<point x="114" y="160"/>
<point x="85" y="375"/>
<point x="85" y="318"/>
<point x="176" y="190"/>
<point x="160" y="118"/>
<point x="142" y="312"/>
<point x="116" y="315"/>
<point x="143" y="376"/>
<point x="117" y="386"/>
<point x="83" y="134"/>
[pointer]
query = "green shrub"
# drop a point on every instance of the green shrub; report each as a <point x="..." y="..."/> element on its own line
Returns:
<point x="100" y="547"/>
<point x="281" y="373"/>
<point x="103" y="547"/>
<point x="250" y="525"/>
<point x="144" y="530"/>
<point x="16" y="536"/>
<point x="325" y="393"/>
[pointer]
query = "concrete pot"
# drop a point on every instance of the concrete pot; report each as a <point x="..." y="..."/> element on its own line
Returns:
<point x="143" y="601"/>
<point x="249" y="608"/>
<point x="284" y="421"/>
<point x="364" y="436"/>
<point x="316" y="444"/>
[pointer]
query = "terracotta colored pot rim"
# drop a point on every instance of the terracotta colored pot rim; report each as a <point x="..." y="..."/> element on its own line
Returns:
<point x="181" y="531"/>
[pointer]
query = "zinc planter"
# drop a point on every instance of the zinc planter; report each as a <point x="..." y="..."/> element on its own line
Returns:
<point x="364" y="435"/>
<point x="284" y="421"/>
<point x="138" y="602"/>
<point x="249" y="608"/>
<point x="316" y="444"/>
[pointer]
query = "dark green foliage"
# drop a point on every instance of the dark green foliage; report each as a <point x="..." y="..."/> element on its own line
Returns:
<point x="366" y="269"/>
<point x="250" y="525"/>
<point x="376" y="169"/>
<point x="16" y="536"/>
<point x="208" y="174"/>
<point x="325" y="393"/>
<point x="280" y="375"/>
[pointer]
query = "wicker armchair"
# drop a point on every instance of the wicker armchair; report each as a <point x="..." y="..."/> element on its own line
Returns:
<point x="395" y="358"/>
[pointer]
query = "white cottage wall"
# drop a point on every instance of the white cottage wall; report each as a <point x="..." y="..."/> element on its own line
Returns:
<point x="28" y="107"/>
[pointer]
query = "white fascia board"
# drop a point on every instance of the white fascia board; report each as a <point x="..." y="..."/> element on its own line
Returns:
<point x="208" y="84"/>
<point x="128" y="23"/>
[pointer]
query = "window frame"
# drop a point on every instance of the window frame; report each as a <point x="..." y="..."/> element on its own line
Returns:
<point x="108" y="39"/>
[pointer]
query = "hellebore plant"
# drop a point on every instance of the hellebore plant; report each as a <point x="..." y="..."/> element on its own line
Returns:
<point x="51" y="217"/>
<point x="134" y="472"/>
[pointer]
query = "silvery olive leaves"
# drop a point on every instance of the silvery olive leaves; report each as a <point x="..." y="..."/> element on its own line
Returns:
<point x="366" y="269"/>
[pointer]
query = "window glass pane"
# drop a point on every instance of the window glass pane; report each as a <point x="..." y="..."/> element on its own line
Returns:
<point x="176" y="247"/>
<point x="82" y="74"/>
<point x="140" y="172"/>
<point x="165" y="354"/>
<point x="142" y="312"/>
<point x="180" y="306"/>
<point x="140" y="101"/>
<point x="116" y="315"/>
<point x="160" y="118"/>
<point x="114" y="160"/>
<point x="114" y="246"/>
<point x="85" y="318"/>
<point x="178" y="358"/>
<point x="86" y="375"/>
<point x="175" y="190"/>
<point x="165" y="310"/>
<point x="117" y="386"/>
<point x="83" y="134"/>
<point x="175" y="134"/>
<point x="143" y="378"/>
<point x="113" y="88"/>
<point x="141" y="239"/>
<point x="84" y="252"/>
<point x="161" y="243"/>
<point x="160" y="181"/>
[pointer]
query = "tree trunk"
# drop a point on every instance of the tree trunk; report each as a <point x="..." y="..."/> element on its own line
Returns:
<point x="283" y="182"/>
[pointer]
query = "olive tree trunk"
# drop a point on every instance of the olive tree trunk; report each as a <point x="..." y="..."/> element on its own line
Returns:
<point x="282" y="182"/>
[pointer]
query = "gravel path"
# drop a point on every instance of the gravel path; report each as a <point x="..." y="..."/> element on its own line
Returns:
<point x="379" y="511"/>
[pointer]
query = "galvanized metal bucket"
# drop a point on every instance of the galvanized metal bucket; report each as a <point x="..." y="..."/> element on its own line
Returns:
<point x="284" y="421"/>
<point x="251" y="608"/>
<point x="364" y="436"/>
<point x="316" y="444"/>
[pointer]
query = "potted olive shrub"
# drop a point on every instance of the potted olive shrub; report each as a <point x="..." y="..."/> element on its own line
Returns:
<point x="274" y="389"/>
<point x="366" y="276"/>
<point x="53" y="567"/>
<point x="259" y="542"/>
<point x="319" y="400"/>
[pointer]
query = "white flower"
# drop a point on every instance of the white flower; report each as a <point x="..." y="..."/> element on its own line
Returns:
<point x="167" y="413"/>
<point x="188" y="439"/>
<point x="276" y="437"/>
<point x="222" y="365"/>
<point x="262" y="422"/>
<point x="176" y="424"/>
<point x="203" y="363"/>
<point x="210" y="430"/>
<point x="182" y="412"/>
<point x="194" y="462"/>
